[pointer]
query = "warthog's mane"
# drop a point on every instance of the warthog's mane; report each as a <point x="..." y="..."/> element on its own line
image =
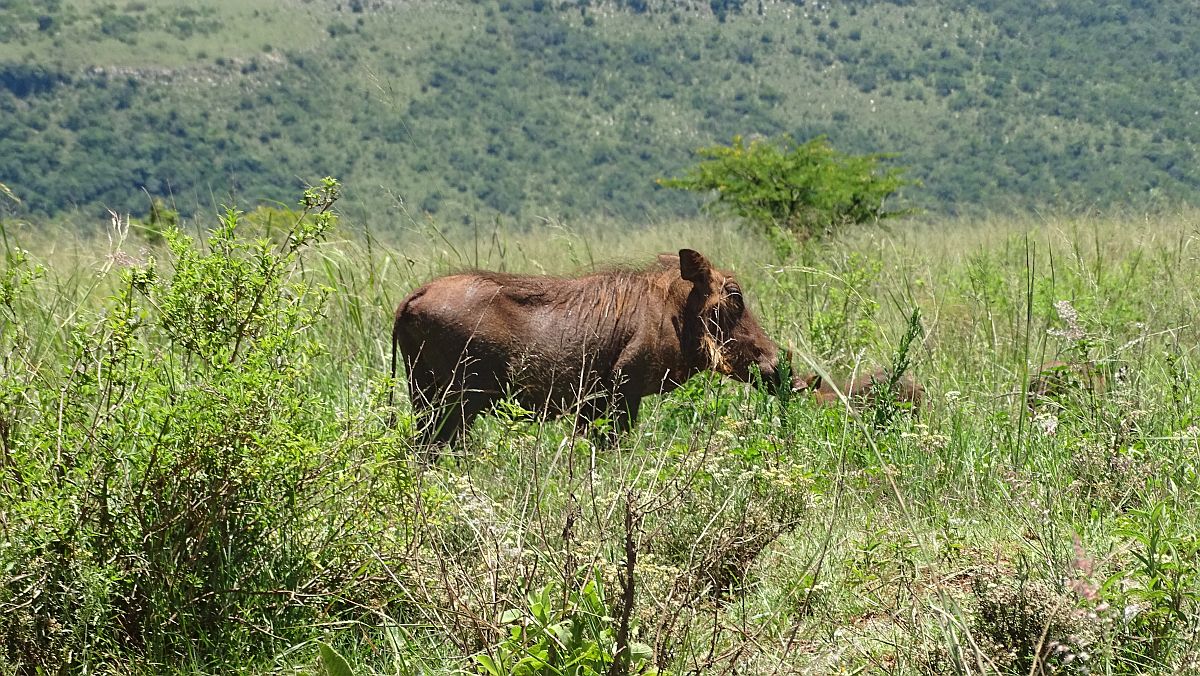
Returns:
<point x="616" y="283"/>
<point x="605" y="298"/>
<point x="608" y="270"/>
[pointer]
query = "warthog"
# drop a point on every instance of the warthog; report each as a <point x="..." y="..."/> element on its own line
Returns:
<point x="1054" y="380"/>
<point x="862" y="390"/>
<point x="591" y="346"/>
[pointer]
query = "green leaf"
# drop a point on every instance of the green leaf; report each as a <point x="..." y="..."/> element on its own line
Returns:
<point x="489" y="665"/>
<point x="332" y="663"/>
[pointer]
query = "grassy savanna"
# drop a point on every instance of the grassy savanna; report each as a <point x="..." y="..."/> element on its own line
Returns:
<point x="200" y="473"/>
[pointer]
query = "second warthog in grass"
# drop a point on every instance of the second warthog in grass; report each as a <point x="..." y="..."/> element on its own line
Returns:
<point x="862" y="390"/>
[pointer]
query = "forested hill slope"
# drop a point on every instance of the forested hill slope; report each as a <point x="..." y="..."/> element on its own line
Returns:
<point x="529" y="108"/>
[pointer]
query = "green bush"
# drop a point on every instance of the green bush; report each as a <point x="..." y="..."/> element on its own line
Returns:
<point x="549" y="637"/>
<point x="162" y="481"/>
<point x="1158" y="590"/>
<point x="807" y="190"/>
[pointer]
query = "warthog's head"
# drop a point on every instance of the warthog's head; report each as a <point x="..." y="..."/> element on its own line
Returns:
<point x="728" y="337"/>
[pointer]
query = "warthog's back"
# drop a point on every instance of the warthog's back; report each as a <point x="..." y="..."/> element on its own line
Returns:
<point x="551" y="337"/>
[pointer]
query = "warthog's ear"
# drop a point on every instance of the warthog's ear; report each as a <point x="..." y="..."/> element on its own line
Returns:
<point x="694" y="267"/>
<point x="668" y="260"/>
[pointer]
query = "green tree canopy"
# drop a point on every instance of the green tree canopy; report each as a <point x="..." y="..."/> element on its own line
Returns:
<point x="807" y="190"/>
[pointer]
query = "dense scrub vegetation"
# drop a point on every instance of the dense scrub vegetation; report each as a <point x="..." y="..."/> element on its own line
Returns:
<point x="199" y="473"/>
<point x="526" y="108"/>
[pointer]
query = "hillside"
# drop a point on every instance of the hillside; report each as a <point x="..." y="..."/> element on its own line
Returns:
<point x="523" y="109"/>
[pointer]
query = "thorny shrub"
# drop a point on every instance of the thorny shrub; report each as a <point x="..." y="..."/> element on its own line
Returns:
<point x="1020" y="624"/>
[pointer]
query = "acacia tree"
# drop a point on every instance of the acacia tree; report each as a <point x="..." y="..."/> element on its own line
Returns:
<point x="802" y="190"/>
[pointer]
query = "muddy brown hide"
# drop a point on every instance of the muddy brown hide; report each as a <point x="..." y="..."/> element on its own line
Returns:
<point x="862" y="389"/>
<point x="1054" y="380"/>
<point x="591" y="346"/>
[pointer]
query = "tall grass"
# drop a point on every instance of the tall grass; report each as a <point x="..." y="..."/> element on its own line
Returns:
<point x="764" y="535"/>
